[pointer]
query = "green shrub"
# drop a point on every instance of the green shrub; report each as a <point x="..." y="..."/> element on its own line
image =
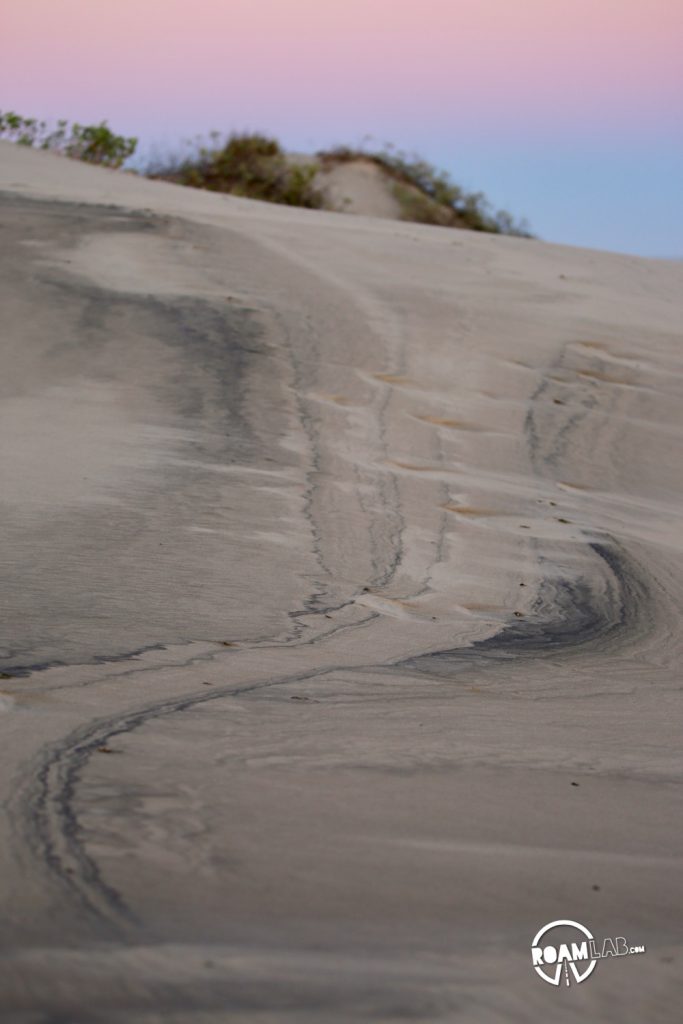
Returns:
<point x="95" y="143"/>
<point x="26" y="131"/>
<point x="249" y="165"/>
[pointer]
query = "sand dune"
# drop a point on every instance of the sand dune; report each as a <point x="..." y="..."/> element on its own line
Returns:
<point x="341" y="615"/>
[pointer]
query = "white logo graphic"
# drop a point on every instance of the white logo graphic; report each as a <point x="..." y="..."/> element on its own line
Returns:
<point x="564" y="946"/>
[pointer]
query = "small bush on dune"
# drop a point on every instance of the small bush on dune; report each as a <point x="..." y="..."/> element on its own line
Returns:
<point x="94" y="143"/>
<point x="249" y="165"/>
<point x="97" y="144"/>
<point x="25" y="131"/>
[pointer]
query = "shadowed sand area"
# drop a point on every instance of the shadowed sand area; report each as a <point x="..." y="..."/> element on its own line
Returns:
<point x="341" y="613"/>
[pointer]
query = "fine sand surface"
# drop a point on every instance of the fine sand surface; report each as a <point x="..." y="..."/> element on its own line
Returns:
<point x="359" y="186"/>
<point x="341" y="632"/>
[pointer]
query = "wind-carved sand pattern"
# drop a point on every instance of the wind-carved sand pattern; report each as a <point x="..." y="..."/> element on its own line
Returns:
<point x="341" y="636"/>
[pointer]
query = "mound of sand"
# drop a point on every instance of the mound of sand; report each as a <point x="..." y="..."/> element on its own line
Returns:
<point x="367" y="188"/>
<point x="361" y="187"/>
<point x="342" y="560"/>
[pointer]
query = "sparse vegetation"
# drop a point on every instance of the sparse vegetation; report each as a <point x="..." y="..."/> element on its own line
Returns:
<point x="248" y="165"/>
<point x="256" y="166"/>
<point x="421" y="208"/>
<point x="93" y="143"/>
<point x="429" y="195"/>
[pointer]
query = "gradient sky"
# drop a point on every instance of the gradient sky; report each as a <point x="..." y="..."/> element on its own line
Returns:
<point x="569" y="112"/>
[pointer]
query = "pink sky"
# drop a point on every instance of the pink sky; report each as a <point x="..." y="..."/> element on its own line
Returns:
<point x="528" y="64"/>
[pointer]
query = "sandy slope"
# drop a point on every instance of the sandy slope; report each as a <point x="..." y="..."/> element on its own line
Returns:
<point x="341" y="615"/>
<point x="360" y="187"/>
